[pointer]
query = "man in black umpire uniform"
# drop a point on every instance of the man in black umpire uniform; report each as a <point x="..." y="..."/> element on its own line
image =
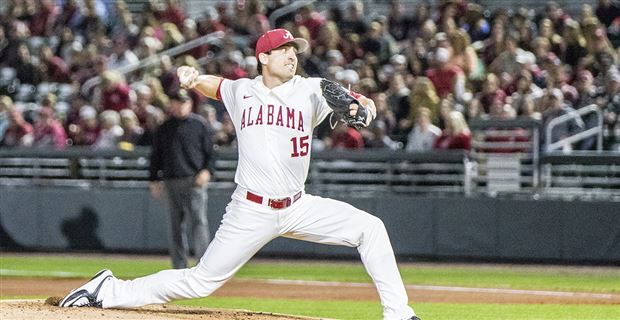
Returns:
<point x="183" y="158"/>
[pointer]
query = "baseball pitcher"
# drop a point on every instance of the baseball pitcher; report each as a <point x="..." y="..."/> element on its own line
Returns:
<point x="274" y="115"/>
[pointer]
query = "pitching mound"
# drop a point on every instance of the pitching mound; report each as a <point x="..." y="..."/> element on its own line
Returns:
<point x="39" y="309"/>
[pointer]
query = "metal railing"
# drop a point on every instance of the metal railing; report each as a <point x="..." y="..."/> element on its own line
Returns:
<point x="370" y="172"/>
<point x="505" y="156"/>
<point x="571" y="116"/>
<point x="206" y="39"/>
<point x="589" y="175"/>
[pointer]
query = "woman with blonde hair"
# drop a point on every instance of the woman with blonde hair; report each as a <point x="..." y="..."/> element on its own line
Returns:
<point x="160" y="99"/>
<point x="456" y="134"/>
<point x="423" y="95"/>
<point x="464" y="55"/>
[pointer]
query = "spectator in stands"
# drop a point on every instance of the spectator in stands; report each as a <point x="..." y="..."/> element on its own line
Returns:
<point x="173" y="13"/>
<point x="384" y="114"/>
<point x="27" y="72"/>
<point x="398" y="97"/>
<point x="345" y="137"/>
<point x="424" y="134"/>
<point x="507" y="62"/>
<point x="525" y="89"/>
<point x="232" y="67"/>
<point x="456" y="135"/>
<point x="114" y="91"/>
<point x="91" y="19"/>
<point x="132" y="132"/>
<point x="548" y="30"/>
<point x="464" y="55"/>
<point x="142" y="106"/>
<point x="227" y="136"/>
<point x="86" y="131"/>
<point x="378" y="43"/>
<point x="209" y="22"/>
<point x="122" y="56"/>
<point x="597" y="41"/>
<point x="611" y="109"/>
<point x="607" y="11"/>
<point x="447" y="78"/>
<point x="159" y="99"/>
<point x="526" y="108"/>
<point x="556" y="108"/>
<point x="490" y="92"/>
<point x="377" y="138"/>
<point x="588" y="94"/>
<point x="48" y="130"/>
<point x="190" y="32"/>
<point x="125" y="25"/>
<point x="69" y="15"/>
<point x="43" y="18"/>
<point x="19" y="132"/>
<point x="399" y="23"/>
<point x="53" y="68"/>
<point x="84" y="36"/>
<point x="6" y="103"/>
<point x="168" y="78"/>
<point x="423" y="95"/>
<point x="154" y="118"/>
<point x="494" y="45"/>
<point x="308" y="17"/>
<point x="353" y="21"/>
<point x="111" y="131"/>
<point x="209" y="113"/>
<point x="251" y="67"/>
<point x="4" y="45"/>
<point x="182" y="156"/>
<point x="575" y="49"/>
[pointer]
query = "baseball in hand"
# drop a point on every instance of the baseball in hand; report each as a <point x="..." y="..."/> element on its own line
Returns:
<point x="187" y="76"/>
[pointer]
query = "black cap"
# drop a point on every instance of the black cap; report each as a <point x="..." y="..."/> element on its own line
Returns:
<point x="180" y="95"/>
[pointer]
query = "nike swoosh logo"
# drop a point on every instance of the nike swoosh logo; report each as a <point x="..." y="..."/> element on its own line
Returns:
<point x="245" y="97"/>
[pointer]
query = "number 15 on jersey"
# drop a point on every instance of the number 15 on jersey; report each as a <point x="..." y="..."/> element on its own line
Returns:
<point x="301" y="146"/>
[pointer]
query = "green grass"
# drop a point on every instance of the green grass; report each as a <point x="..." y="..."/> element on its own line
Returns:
<point x="361" y="310"/>
<point x="518" y="277"/>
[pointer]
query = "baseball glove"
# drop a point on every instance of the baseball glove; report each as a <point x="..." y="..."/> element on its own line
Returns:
<point x="339" y="99"/>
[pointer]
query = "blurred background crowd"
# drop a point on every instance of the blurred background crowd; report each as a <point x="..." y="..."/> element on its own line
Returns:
<point x="431" y="68"/>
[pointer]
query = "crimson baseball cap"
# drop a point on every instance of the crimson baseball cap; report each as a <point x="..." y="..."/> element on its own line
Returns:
<point x="275" y="38"/>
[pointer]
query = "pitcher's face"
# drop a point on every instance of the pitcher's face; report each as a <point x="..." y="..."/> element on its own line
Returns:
<point x="282" y="62"/>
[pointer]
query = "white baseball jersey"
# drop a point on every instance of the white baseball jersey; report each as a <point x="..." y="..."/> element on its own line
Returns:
<point x="274" y="131"/>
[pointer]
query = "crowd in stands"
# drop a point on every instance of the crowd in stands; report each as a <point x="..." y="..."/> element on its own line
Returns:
<point x="431" y="68"/>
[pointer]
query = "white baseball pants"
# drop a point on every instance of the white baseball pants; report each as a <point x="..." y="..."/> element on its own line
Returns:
<point x="246" y="227"/>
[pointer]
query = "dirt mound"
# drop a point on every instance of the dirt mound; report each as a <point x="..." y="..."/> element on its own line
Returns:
<point x="39" y="309"/>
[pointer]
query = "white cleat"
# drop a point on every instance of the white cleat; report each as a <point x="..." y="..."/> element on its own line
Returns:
<point x="86" y="295"/>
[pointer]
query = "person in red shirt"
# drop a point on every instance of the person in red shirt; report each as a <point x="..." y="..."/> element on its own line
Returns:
<point x="345" y="137"/>
<point x="173" y="13"/>
<point x="54" y="68"/>
<point x="445" y="77"/>
<point x="48" y="131"/>
<point x="86" y="131"/>
<point x="456" y="135"/>
<point x="310" y="19"/>
<point x="114" y="92"/>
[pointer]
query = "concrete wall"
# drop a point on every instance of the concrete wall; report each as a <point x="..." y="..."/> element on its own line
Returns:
<point x="129" y="220"/>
